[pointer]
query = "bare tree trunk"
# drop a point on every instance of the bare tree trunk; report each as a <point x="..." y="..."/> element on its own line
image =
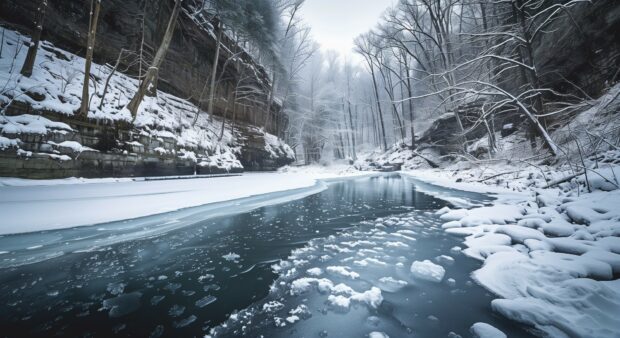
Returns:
<point x="374" y="83"/>
<point x="230" y="99"/>
<point x="410" y="101"/>
<point x="353" y="150"/>
<point x="214" y="70"/>
<point x="90" y="47"/>
<point x="107" y="81"/>
<point x="36" y="38"/>
<point x="151" y="73"/>
<point x="2" y="42"/>
<point x="270" y="99"/>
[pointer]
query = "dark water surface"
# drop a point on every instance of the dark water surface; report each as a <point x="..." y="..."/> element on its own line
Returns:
<point x="187" y="281"/>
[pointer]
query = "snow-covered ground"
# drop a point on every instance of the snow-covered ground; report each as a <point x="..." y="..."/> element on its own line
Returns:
<point x="56" y="86"/>
<point x="551" y="254"/>
<point x="32" y="205"/>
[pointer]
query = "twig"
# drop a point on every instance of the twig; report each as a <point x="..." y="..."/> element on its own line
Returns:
<point x="494" y="176"/>
<point x="565" y="179"/>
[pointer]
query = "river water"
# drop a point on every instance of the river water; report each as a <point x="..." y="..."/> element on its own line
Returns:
<point x="331" y="264"/>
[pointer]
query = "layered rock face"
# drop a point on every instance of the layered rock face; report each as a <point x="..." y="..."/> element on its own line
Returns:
<point x="41" y="137"/>
<point x="124" y="24"/>
<point x="66" y="147"/>
<point x="582" y="48"/>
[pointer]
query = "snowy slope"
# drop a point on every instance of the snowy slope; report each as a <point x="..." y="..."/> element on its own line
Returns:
<point x="56" y="85"/>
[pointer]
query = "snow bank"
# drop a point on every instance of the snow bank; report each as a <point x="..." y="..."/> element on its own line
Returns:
<point x="484" y="330"/>
<point x="551" y="254"/>
<point x="25" y="207"/>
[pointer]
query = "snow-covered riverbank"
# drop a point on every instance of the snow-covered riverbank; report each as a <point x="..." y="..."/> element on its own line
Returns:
<point x="552" y="254"/>
<point x="31" y="205"/>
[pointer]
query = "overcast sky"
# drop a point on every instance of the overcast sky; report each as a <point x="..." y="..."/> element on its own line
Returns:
<point x="336" y="23"/>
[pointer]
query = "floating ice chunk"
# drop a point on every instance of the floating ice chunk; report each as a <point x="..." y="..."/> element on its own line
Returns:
<point x="358" y="243"/>
<point x="157" y="332"/>
<point x="231" y="257"/>
<point x="172" y="287"/>
<point x="427" y="270"/>
<point x="176" y="310"/>
<point x="397" y="234"/>
<point x="122" y="305"/>
<point x="451" y="282"/>
<point x="156" y="299"/>
<point x="444" y="259"/>
<point x="301" y="312"/>
<point x="304" y="284"/>
<point x="204" y="301"/>
<point x="343" y="271"/>
<point x="484" y="330"/>
<point x="299" y="262"/>
<point x="184" y="322"/>
<point x="342" y="289"/>
<point x="366" y="261"/>
<point x="390" y="284"/>
<point x="339" y="301"/>
<point x="396" y="244"/>
<point x="279" y="322"/>
<point x="116" y="288"/>
<point x="377" y="334"/>
<point x="272" y="306"/>
<point x="372" y="297"/>
<point x="292" y="319"/>
<point x="315" y="271"/>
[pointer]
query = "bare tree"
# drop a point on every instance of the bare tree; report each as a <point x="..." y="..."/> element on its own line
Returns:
<point x="90" y="46"/>
<point x="152" y="72"/>
<point x="365" y="47"/>
<point x="36" y="38"/>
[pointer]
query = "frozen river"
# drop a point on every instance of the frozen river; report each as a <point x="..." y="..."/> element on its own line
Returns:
<point x="336" y="263"/>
